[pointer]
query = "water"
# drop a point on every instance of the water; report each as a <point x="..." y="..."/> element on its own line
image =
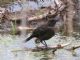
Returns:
<point x="13" y="48"/>
<point x="31" y="5"/>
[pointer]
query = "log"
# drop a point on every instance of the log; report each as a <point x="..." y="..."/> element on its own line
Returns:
<point x="38" y="17"/>
<point x="25" y="28"/>
<point x="32" y="14"/>
<point x="41" y="48"/>
<point x="18" y="30"/>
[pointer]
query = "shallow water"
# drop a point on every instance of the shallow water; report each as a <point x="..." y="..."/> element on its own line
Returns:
<point x="31" y="5"/>
<point x="12" y="48"/>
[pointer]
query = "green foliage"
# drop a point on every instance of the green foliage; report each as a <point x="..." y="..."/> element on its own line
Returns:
<point x="13" y="31"/>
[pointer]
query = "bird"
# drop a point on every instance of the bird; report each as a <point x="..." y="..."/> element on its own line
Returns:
<point x="43" y="32"/>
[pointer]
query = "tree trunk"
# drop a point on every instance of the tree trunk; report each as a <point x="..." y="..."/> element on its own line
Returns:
<point x="68" y="18"/>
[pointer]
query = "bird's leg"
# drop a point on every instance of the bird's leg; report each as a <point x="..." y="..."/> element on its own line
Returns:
<point x="44" y="43"/>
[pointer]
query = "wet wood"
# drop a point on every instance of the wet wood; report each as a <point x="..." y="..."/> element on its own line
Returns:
<point x="25" y="28"/>
<point x="18" y="30"/>
<point x="29" y="16"/>
<point x="40" y="48"/>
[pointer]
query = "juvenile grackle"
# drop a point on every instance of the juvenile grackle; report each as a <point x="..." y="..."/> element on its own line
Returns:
<point x="43" y="32"/>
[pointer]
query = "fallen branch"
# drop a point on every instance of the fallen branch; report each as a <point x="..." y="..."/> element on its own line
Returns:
<point x="17" y="29"/>
<point x="73" y="48"/>
<point x="25" y="28"/>
<point x="41" y="48"/>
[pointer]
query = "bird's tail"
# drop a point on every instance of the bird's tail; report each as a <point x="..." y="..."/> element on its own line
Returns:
<point x="28" y="38"/>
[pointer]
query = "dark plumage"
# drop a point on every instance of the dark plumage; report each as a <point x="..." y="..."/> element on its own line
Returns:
<point x="44" y="32"/>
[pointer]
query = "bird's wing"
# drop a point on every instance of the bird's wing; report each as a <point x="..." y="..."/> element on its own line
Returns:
<point x="40" y="31"/>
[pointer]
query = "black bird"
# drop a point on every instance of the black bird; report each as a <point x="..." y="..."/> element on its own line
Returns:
<point x="43" y="32"/>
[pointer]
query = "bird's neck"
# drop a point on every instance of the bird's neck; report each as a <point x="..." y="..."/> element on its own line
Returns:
<point x="51" y="24"/>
